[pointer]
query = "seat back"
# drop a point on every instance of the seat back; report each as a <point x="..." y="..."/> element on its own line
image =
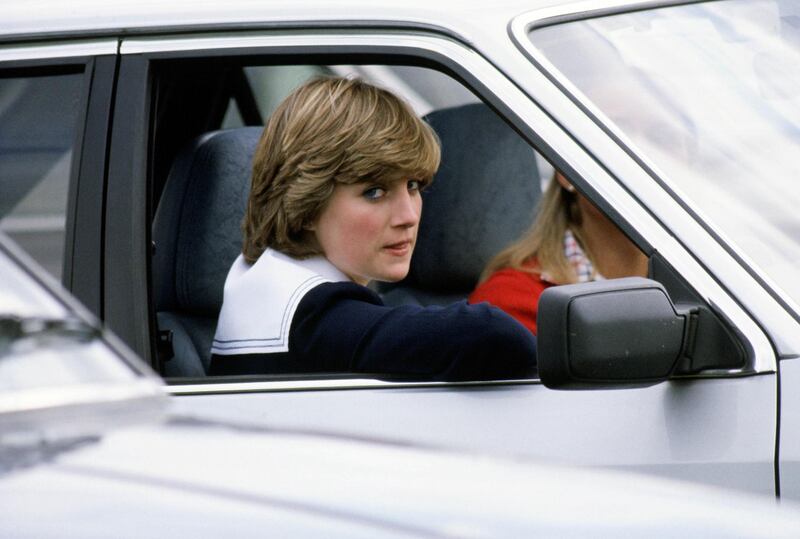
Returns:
<point x="197" y="236"/>
<point x="483" y="197"/>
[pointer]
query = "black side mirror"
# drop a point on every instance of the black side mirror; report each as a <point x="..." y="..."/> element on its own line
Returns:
<point x="625" y="332"/>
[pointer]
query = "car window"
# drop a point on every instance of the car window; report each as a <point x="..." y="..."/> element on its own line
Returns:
<point x="189" y="270"/>
<point x="425" y="89"/>
<point x="38" y="121"/>
<point x="269" y="84"/>
<point x="201" y="167"/>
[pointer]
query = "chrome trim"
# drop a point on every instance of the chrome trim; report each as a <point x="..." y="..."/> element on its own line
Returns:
<point x="58" y="49"/>
<point x="316" y="38"/>
<point x="221" y="387"/>
<point x="530" y="112"/>
<point x="324" y="385"/>
<point x="720" y="373"/>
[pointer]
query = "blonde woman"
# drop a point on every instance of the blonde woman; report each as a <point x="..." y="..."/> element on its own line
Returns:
<point x="570" y="241"/>
<point x="334" y="204"/>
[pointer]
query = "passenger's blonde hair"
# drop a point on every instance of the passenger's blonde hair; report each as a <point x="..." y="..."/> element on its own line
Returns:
<point x="329" y="130"/>
<point x="543" y="243"/>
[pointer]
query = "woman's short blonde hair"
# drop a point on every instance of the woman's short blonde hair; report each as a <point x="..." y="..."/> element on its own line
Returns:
<point x="329" y="130"/>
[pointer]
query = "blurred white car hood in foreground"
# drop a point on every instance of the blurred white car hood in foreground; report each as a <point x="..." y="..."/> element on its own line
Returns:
<point x="190" y="478"/>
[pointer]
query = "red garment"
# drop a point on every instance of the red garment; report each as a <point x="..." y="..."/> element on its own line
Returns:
<point x="514" y="291"/>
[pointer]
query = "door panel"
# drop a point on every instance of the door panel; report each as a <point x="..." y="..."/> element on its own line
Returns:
<point x="714" y="431"/>
<point x="717" y="431"/>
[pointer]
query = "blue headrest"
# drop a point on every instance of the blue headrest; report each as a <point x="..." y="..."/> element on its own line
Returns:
<point x="482" y="198"/>
<point x="197" y="227"/>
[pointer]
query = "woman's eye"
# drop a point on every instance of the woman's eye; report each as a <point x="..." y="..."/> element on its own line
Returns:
<point x="414" y="185"/>
<point x="374" y="193"/>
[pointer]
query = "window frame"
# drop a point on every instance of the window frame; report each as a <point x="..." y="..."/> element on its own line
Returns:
<point x="419" y="48"/>
<point x="81" y="263"/>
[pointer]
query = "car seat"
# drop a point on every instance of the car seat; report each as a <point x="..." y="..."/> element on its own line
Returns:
<point x="483" y="197"/>
<point x="197" y="236"/>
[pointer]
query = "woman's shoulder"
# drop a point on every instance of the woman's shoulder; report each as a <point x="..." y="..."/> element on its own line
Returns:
<point x="260" y="301"/>
<point x="328" y="293"/>
<point x="510" y="281"/>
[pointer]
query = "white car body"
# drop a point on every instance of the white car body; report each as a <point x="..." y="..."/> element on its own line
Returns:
<point x="732" y="427"/>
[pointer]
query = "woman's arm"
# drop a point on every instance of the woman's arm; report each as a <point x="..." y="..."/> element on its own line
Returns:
<point x="346" y="327"/>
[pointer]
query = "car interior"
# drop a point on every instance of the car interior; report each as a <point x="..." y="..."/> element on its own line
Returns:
<point x="482" y="198"/>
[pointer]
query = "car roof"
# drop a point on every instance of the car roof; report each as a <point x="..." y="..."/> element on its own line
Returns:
<point x="48" y="19"/>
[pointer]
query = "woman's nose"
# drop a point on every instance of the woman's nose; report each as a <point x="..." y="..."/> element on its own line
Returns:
<point x="406" y="209"/>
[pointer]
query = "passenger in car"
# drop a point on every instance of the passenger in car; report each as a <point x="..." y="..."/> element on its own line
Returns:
<point x="334" y="204"/>
<point x="570" y="241"/>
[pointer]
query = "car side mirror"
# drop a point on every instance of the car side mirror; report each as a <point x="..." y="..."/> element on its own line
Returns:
<point x="625" y="332"/>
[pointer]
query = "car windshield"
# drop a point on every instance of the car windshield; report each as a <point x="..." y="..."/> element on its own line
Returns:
<point x="710" y="94"/>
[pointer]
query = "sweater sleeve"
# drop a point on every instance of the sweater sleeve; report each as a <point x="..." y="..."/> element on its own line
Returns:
<point x="514" y="291"/>
<point x="346" y="327"/>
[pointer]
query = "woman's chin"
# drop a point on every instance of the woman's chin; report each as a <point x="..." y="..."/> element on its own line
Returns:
<point x="394" y="275"/>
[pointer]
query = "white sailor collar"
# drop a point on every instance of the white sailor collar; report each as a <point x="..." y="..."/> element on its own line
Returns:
<point x="260" y="301"/>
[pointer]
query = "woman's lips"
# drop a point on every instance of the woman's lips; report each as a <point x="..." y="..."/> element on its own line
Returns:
<point x="400" y="248"/>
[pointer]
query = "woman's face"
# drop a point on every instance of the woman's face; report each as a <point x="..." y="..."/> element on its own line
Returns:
<point x="368" y="230"/>
<point x="588" y="210"/>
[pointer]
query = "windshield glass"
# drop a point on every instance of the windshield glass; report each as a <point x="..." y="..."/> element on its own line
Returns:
<point x="710" y="94"/>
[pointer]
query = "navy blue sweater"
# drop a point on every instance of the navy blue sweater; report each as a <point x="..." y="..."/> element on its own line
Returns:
<point x="345" y="327"/>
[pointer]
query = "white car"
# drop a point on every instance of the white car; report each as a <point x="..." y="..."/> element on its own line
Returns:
<point x="124" y="158"/>
<point x="89" y="449"/>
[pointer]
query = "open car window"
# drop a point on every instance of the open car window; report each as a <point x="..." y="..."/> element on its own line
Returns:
<point x="197" y="237"/>
<point x="483" y="198"/>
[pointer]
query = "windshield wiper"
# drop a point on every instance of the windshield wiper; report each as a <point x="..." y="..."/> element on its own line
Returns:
<point x="14" y="328"/>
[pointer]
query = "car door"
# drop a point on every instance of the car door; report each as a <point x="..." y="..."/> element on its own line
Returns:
<point x="54" y="113"/>
<point x="718" y="426"/>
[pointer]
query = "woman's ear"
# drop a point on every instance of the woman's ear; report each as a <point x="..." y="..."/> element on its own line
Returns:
<point x="563" y="182"/>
